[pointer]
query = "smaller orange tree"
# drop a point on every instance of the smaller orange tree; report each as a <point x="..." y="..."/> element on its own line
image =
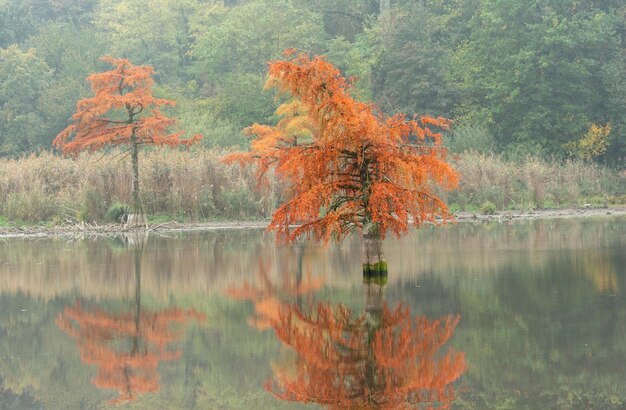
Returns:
<point x="347" y="166"/>
<point x="122" y="111"/>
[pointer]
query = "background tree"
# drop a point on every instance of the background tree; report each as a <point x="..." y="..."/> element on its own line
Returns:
<point x="539" y="74"/>
<point x="357" y="170"/>
<point x="156" y="33"/>
<point x="24" y="79"/>
<point x="230" y="57"/>
<point x="409" y="73"/>
<point x="123" y="111"/>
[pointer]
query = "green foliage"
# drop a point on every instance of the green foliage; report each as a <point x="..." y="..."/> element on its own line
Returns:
<point x="24" y="77"/>
<point x="488" y="208"/>
<point x="471" y="138"/>
<point x="520" y="77"/>
<point x="410" y="73"/>
<point x="148" y="32"/>
<point x="118" y="212"/>
<point x="535" y="72"/>
<point x="242" y="39"/>
<point x="16" y="22"/>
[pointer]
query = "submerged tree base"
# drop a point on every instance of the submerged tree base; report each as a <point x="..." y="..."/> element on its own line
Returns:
<point x="375" y="273"/>
<point x="374" y="262"/>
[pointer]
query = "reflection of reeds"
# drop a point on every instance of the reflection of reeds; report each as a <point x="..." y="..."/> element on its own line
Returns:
<point x="216" y="261"/>
<point x="101" y="269"/>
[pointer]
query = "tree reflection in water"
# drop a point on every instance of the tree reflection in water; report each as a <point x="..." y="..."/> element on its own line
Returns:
<point x="127" y="347"/>
<point x="268" y="294"/>
<point x="383" y="358"/>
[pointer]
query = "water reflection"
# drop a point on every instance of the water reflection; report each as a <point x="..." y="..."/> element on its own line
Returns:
<point x="542" y="305"/>
<point x="268" y="294"/>
<point x="126" y="347"/>
<point x="382" y="358"/>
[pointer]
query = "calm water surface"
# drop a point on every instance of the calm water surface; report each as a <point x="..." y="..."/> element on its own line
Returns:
<point x="522" y="315"/>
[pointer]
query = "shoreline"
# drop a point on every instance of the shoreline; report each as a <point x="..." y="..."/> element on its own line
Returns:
<point x="94" y="229"/>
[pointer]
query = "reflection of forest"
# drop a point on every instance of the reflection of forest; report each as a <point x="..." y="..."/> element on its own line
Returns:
<point x="214" y="261"/>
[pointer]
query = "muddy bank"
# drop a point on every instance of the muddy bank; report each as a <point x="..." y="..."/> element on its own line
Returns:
<point x="94" y="229"/>
<point x="541" y="214"/>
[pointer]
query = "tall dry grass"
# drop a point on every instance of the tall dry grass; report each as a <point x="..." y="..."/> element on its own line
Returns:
<point x="183" y="185"/>
<point x="534" y="183"/>
<point x="195" y="185"/>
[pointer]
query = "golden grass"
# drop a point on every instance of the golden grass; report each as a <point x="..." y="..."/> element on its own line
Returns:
<point x="194" y="185"/>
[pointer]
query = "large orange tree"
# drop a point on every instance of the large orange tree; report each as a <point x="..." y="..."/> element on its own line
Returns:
<point x="346" y="165"/>
<point x="122" y="112"/>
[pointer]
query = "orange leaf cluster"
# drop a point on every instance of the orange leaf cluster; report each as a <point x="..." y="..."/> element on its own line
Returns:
<point x="348" y="167"/>
<point x="346" y="362"/>
<point x="122" y="108"/>
<point x="149" y="334"/>
<point x="269" y="297"/>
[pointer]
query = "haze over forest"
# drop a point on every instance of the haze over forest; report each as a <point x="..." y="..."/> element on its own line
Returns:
<point x="517" y="77"/>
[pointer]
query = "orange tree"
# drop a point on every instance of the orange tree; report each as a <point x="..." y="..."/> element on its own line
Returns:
<point x="347" y="166"/>
<point x="122" y="111"/>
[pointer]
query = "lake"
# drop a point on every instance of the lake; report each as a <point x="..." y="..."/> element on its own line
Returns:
<point x="525" y="314"/>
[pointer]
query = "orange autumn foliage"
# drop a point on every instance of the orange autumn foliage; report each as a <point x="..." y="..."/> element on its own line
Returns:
<point x="347" y="166"/>
<point x="121" y="111"/>
<point x="270" y="296"/>
<point x="147" y="336"/>
<point x="348" y="362"/>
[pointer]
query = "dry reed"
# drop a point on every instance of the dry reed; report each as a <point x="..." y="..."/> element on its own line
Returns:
<point x="195" y="185"/>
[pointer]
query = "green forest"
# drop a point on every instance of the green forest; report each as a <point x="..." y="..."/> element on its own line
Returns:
<point x="517" y="77"/>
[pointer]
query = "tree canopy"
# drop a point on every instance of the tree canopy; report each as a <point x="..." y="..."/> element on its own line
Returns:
<point x="123" y="111"/>
<point x="348" y="167"/>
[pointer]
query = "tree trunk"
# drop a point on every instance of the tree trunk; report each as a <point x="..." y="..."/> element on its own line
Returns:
<point x="374" y="262"/>
<point x="138" y="217"/>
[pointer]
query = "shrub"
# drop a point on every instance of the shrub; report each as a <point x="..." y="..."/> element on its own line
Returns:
<point x="488" y="208"/>
<point x="118" y="212"/>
